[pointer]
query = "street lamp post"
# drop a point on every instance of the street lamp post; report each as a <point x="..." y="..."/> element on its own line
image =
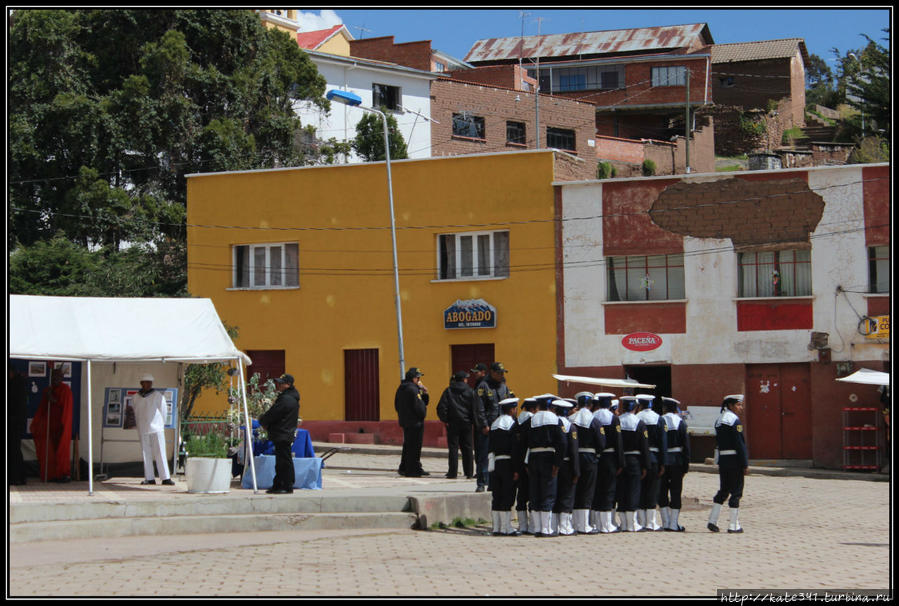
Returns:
<point x="353" y="100"/>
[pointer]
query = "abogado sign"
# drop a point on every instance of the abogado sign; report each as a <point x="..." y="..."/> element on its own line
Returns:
<point x="473" y="313"/>
<point x="641" y="341"/>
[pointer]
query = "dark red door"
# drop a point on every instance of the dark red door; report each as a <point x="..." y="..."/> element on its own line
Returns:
<point x="796" y="408"/>
<point x="763" y="412"/>
<point x="268" y="363"/>
<point x="362" y="397"/>
<point x="464" y="357"/>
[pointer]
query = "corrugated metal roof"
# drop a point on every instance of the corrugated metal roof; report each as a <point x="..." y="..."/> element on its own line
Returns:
<point x="757" y="51"/>
<point x="591" y="43"/>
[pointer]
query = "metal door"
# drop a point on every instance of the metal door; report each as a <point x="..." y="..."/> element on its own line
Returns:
<point x="362" y="396"/>
<point x="763" y="411"/>
<point x="796" y="411"/>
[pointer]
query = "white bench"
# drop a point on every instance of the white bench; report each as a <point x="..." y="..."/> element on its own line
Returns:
<point x="701" y="420"/>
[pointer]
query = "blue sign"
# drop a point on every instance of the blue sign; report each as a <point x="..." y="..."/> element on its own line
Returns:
<point x="473" y="313"/>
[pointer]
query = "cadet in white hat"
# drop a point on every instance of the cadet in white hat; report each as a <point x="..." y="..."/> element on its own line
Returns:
<point x="544" y="458"/>
<point x="658" y="445"/>
<point x="149" y="414"/>
<point x="503" y="460"/>
<point x="569" y="471"/>
<point x="677" y="464"/>
<point x="526" y="523"/>
<point x="634" y="439"/>
<point x="591" y="441"/>
<point x="733" y="462"/>
<point x="610" y="462"/>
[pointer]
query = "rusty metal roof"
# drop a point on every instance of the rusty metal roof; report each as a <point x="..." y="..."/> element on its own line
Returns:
<point x="762" y="49"/>
<point x="591" y="43"/>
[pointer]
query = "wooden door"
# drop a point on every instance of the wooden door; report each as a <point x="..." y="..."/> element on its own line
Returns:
<point x="763" y="411"/>
<point x="464" y="357"/>
<point x="362" y="396"/>
<point x="269" y="363"/>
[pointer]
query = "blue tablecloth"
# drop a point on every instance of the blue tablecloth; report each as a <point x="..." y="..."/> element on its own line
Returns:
<point x="302" y="444"/>
<point x="307" y="473"/>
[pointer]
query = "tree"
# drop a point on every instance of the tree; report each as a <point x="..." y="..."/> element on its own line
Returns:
<point x="108" y="110"/>
<point x="369" y="141"/>
<point x="868" y="87"/>
<point x="819" y="82"/>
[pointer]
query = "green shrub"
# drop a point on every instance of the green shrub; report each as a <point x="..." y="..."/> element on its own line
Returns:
<point x="791" y="134"/>
<point x="212" y="445"/>
<point x="604" y="170"/>
<point x="649" y="168"/>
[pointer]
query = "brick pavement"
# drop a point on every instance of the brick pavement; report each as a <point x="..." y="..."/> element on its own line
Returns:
<point x="801" y="533"/>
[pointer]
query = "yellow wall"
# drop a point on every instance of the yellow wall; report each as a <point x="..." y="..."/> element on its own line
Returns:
<point x="338" y="44"/>
<point x="345" y="299"/>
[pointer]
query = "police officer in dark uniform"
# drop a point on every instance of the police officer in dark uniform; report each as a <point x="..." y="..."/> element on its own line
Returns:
<point x="491" y="391"/>
<point x="503" y="460"/>
<point x="677" y="464"/>
<point x="733" y="462"/>
<point x="569" y="472"/>
<point x="545" y="451"/>
<point x="526" y="523"/>
<point x="611" y="461"/>
<point x="457" y="411"/>
<point x="411" y="404"/>
<point x="280" y="421"/>
<point x="591" y="441"/>
<point x="658" y="444"/>
<point x="635" y="442"/>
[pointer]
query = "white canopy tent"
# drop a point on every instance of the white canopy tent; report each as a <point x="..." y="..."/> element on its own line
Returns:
<point x="866" y="376"/>
<point x="91" y="329"/>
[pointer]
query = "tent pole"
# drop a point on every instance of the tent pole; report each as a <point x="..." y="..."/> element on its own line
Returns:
<point x="246" y="418"/>
<point x="90" y="433"/>
<point x="47" y="442"/>
<point x="176" y="420"/>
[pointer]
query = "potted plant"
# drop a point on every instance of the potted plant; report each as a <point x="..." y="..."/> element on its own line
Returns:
<point x="208" y="467"/>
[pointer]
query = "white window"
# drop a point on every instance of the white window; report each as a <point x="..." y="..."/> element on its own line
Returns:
<point x="266" y="265"/>
<point x="473" y="255"/>
<point x="649" y="278"/>
<point x="782" y="273"/>
<point x="673" y="75"/>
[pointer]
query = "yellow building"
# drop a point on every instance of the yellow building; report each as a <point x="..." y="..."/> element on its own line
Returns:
<point x="300" y="260"/>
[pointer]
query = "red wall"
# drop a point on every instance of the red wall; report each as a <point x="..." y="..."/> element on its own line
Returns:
<point x="774" y="315"/>
<point x="622" y="319"/>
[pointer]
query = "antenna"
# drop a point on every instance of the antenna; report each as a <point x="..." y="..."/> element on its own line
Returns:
<point x="361" y="29"/>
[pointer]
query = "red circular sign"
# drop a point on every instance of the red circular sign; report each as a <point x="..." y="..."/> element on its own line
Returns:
<point x="641" y="341"/>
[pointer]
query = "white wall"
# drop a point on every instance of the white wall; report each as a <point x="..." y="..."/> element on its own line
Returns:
<point x="358" y="79"/>
<point x="839" y="257"/>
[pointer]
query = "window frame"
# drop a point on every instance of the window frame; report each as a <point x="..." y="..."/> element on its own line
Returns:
<point x="252" y="275"/>
<point x="493" y="270"/>
<point x="680" y="75"/>
<point x="558" y="133"/>
<point x="875" y="258"/>
<point x="376" y="95"/>
<point x="471" y="119"/>
<point x="671" y="265"/>
<point x="523" y="135"/>
<point x="785" y="270"/>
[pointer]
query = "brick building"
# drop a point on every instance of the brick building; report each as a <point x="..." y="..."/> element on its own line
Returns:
<point x="475" y="118"/>
<point x="747" y="283"/>
<point x="417" y="55"/>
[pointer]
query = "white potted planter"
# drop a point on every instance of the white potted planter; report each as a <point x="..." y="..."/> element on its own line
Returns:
<point x="208" y="475"/>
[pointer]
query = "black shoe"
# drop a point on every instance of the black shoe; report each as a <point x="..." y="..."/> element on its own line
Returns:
<point x="469" y="477"/>
<point x="737" y="531"/>
<point x="480" y="489"/>
<point x="145" y="482"/>
<point x="424" y="473"/>
<point x="449" y="477"/>
<point x="712" y="527"/>
<point x="283" y="491"/>
<point x="168" y="482"/>
<point x="270" y="491"/>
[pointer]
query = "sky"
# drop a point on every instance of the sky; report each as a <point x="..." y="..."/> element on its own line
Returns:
<point x="454" y="31"/>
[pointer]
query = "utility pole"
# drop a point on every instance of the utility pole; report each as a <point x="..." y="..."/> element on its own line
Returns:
<point x="687" y="123"/>
<point x="537" y="93"/>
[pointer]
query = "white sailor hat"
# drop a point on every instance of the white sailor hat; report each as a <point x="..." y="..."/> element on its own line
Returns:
<point x="731" y="399"/>
<point x="670" y="403"/>
<point x="147" y="377"/>
<point x="645" y="396"/>
<point x="532" y="401"/>
<point x="628" y="403"/>
<point x="583" y="395"/>
<point x="614" y="404"/>
<point x="508" y="403"/>
<point x="604" y="399"/>
<point x="561" y="403"/>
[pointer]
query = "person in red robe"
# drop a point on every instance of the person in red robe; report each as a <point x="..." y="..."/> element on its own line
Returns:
<point x="54" y="456"/>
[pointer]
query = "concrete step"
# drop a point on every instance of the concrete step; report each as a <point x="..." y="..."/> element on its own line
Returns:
<point x="26" y="532"/>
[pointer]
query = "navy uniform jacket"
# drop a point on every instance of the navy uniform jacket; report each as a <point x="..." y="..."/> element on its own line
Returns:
<point x="612" y="429"/>
<point x="503" y="438"/>
<point x="546" y="432"/>
<point x="521" y="428"/>
<point x="658" y="435"/>
<point x="635" y="438"/>
<point x="678" y="441"/>
<point x="591" y="434"/>
<point x="570" y="448"/>
<point x="490" y="394"/>
<point x="732" y="453"/>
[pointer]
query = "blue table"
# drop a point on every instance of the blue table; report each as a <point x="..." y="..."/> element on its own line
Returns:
<point x="307" y="473"/>
<point x="302" y="444"/>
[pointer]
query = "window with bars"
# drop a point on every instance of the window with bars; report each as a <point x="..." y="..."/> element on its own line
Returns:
<point x="516" y="133"/>
<point x="266" y="265"/>
<point x="672" y="75"/>
<point x="879" y="269"/>
<point x="561" y="138"/>
<point x="467" y="125"/>
<point x="781" y="273"/>
<point x="646" y="278"/>
<point x="473" y="255"/>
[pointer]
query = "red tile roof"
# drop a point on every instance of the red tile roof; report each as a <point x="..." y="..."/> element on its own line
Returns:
<point x="313" y="40"/>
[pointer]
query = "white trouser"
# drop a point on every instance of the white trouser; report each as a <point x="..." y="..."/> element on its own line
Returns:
<point x="152" y="446"/>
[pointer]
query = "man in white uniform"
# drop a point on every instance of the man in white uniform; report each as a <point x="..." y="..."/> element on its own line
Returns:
<point x="149" y="413"/>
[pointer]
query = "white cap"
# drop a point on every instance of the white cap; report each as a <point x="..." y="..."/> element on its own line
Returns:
<point x="147" y="377"/>
<point x="509" y="401"/>
<point x="561" y="404"/>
